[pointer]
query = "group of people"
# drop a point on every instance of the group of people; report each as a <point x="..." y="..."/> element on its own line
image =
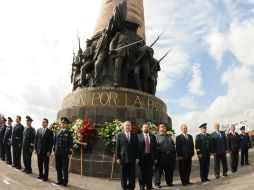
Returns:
<point x="154" y="154"/>
<point x="18" y="140"/>
<point x="157" y="153"/>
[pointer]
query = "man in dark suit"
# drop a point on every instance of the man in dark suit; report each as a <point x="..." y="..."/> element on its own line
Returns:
<point x="2" y="132"/>
<point x="43" y="147"/>
<point x="127" y="156"/>
<point x="16" y="141"/>
<point x="204" y="151"/>
<point x="7" y="141"/>
<point x="233" y="144"/>
<point x="147" y="153"/>
<point x="245" y="145"/>
<point x="219" y="140"/>
<point x="63" y="144"/>
<point x="185" y="152"/>
<point x="28" y="145"/>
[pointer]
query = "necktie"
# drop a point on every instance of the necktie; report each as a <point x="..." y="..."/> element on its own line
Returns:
<point x="219" y="134"/>
<point x="186" y="136"/>
<point x="147" y="145"/>
<point x="128" y="137"/>
<point x="43" y="131"/>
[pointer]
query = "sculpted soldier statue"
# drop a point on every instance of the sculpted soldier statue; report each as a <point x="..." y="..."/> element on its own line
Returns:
<point x="88" y="65"/>
<point x="142" y="67"/>
<point x="154" y="68"/>
<point x="152" y="79"/>
<point x="119" y="40"/>
<point x="101" y="52"/>
<point x="76" y="65"/>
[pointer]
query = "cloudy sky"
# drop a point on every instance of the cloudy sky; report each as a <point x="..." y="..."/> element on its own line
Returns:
<point x="208" y="76"/>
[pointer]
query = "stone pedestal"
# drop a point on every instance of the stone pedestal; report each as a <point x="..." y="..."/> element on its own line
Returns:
<point x="105" y="104"/>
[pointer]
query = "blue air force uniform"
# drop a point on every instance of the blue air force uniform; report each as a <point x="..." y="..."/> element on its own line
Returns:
<point x="7" y="142"/>
<point x="63" y="143"/>
<point x="16" y="141"/>
<point x="233" y="143"/>
<point x="2" y="132"/>
<point x="28" y="146"/>
<point x="204" y="149"/>
<point x="245" y="145"/>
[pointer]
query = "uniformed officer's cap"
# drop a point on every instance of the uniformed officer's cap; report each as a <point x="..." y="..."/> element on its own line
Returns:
<point x="28" y="118"/>
<point x="242" y="128"/>
<point x="10" y="119"/>
<point x="3" y="118"/>
<point x="203" y="125"/>
<point x="65" y="120"/>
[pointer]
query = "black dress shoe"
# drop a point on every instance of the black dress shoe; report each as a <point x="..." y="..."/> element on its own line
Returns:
<point x="45" y="179"/>
<point x="13" y="166"/>
<point x="64" y="184"/>
<point x="207" y="179"/>
<point x="203" y="180"/>
<point x="39" y="177"/>
<point x="23" y="171"/>
<point x="189" y="183"/>
<point x="18" y="168"/>
<point x="217" y="176"/>
<point x="28" y="172"/>
<point x="170" y="185"/>
<point x="225" y="175"/>
<point x="158" y="186"/>
<point x="59" y="183"/>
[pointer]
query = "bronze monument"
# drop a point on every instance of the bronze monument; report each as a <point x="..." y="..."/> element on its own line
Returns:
<point x="115" y="77"/>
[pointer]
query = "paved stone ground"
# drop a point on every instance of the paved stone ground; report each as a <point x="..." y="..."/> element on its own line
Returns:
<point x="12" y="179"/>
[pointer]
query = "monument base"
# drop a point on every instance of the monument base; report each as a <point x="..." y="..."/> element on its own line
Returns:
<point x="105" y="104"/>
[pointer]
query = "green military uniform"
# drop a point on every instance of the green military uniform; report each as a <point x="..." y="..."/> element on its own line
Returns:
<point x="28" y="146"/>
<point x="63" y="144"/>
<point x="204" y="150"/>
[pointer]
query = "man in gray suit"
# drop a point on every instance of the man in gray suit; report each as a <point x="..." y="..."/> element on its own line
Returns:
<point x="219" y="150"/>
<point x="43" y="147"/>
<point x="185" y="152"/>
<point x="127" y="156"/>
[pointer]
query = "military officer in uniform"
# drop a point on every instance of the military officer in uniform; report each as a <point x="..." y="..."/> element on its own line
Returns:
<point x="28" y="144"/>
<point x="16" y="142"/>
<point x="2" y="132"/>
<point x="204" y="151"/>
<point x="7" y="140"/>
<point x="166" y="157"/>
<point x="233" y="143"/>
<point x="63" y="143"/>
<point x="245" y="145"/>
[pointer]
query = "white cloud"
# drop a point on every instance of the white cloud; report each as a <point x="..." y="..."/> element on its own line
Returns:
<point x="217" y="43"/>
<point x="188" y="102"/>
<point x="237" y="41"/>
<point x="195" y="85"/>
<point x="36" y="53"/>
<point x="172" y="67"/>
<point x="240" y="41"/>
<point x="232" y="107"/>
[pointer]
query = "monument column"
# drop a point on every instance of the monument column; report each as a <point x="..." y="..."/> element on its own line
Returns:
<point x="135" y="14"/>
